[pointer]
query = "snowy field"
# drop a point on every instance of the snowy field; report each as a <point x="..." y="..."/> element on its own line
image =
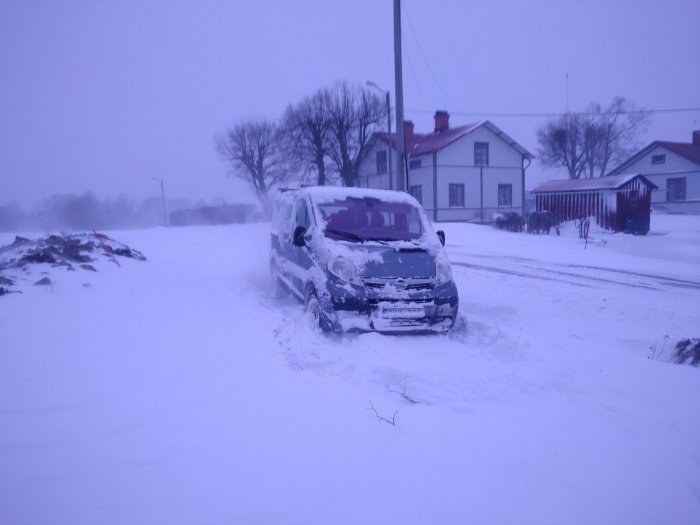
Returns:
<point x="179" y="391"/>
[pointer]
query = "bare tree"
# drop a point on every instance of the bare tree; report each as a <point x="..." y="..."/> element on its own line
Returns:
<point x="561" y="144"/>
<point x="252" y="150"/>
<point x="586" y="144"/>
<point x="354" y="112"/>
<point x="619" y="127"/>
<point x="306" y="131"/>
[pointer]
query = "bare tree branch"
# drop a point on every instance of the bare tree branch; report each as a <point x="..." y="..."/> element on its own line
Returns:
<point x="252" y="150"/>
<point x="306" y="133"/>
<point x="403" y="393"/>
<point x="586" y="143"/>
<point x="354" y="113"/>
<point x="391" y="421"/>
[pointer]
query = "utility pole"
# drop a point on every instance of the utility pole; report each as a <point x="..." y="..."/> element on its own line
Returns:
<point x="481" y="192"/>
<point x="398" y="80"/>
<point x="162" y="194"/>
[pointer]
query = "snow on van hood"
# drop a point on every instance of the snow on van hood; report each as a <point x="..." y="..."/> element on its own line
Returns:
<point x="381" y="259"/>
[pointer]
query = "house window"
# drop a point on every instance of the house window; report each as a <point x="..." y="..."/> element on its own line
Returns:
<point x="658" y="159"/>
<point x="417" y="193"/>
<point x="456" y="195"/>
<point x="481" y="154"/>
<point x="505" y="195"/>
<point x="414" y="164"/>
<point x="675" y="189"/>
<point x="381" y="162"/>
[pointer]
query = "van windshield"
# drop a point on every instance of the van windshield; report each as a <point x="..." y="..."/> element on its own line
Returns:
<point x="369" y="219"/>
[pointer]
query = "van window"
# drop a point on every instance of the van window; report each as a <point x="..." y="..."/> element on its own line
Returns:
<point x="366" y="219"/>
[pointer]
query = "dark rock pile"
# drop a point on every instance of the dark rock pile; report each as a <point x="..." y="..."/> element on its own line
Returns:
<point x="687" y="351"/>
<point x="67" y="252"/>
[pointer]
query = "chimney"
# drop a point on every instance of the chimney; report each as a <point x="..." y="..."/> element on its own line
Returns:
<point x="408" y="132"/>
<point x="696" y="137"/>
<point x="442" y="121"/>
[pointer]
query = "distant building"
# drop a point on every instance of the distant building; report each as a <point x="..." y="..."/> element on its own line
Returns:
<point x="674" y="167"/>
<point x="465" y="173"/>
<point x="617" y="203"/>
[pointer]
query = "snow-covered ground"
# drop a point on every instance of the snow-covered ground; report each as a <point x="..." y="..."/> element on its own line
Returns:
<point x="179" y="391"/>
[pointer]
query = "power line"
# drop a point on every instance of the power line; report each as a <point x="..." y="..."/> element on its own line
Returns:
<point x="404" y="47"/>
<point x="422" y="54"/>
<point x="584" y="113"/>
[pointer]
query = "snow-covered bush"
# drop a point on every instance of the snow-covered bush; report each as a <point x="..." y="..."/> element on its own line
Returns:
<point x="511" y="221"/>
<point x="540" y="222"/>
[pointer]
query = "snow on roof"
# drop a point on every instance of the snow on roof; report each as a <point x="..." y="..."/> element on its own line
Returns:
<point x="426" y="143"/>
<point x="690" y="151"/>
<point x="342" y="192"/>
<point x="431" y="142"/>
<point x="601" y="183"/>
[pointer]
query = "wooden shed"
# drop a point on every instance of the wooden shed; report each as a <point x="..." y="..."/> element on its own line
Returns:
<point x="618" y="202"/>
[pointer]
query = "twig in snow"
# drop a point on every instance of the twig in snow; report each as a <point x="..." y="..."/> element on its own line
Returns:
<point x="655" y="354"/>
<point x="403" y="393"/>
<point x="391" y="421"/>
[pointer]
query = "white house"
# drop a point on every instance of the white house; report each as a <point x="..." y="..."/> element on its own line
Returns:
<point x="465" y="173"/>
<point x="675" y="168"/>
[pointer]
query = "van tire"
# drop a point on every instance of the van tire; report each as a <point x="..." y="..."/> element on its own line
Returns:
<point x="313" y="310"/>
<point x="315" y="314"/>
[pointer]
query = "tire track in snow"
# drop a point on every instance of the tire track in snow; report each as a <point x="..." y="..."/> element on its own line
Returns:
<point x="534" y="269"/>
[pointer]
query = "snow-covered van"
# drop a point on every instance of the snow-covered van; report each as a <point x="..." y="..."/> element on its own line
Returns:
<point x="362" y="260"/>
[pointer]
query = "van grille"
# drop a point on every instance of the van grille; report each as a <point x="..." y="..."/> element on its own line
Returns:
<point x="377" y="283"/>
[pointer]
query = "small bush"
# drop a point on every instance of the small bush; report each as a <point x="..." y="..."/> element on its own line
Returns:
<point x="540" y="222"/>
<point x="510" y="221"/>
<point x="637" y="225"/>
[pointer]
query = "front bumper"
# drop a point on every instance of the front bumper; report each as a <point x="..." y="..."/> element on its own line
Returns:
<point x="370" y="309"/>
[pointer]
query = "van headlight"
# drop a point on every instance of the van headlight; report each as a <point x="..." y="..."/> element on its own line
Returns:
<point x="443" y="270"/>
<point x="345" y="271"/>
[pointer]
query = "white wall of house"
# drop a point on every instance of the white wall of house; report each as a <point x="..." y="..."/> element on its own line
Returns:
<point x="673" y="167"/>
<point x="367" y="174"/>
<point x="422" y="177"/>
<point x="455" y="165"/>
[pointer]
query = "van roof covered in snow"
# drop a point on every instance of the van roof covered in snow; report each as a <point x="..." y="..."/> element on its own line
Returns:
<point x="343" y="192"/>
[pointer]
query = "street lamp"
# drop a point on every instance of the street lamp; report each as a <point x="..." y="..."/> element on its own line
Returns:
<point x="388" y="126"/>
<point x="162" y="193"/>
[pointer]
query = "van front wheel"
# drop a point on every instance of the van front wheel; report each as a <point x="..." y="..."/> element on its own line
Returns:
<point x="317" y="317"/>
<point x="313" y="311"/>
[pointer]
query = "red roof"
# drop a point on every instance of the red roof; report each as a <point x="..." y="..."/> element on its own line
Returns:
<point x="601" y="183"/>
<point x="689" y="151"/>
<point x="426" y="143"/>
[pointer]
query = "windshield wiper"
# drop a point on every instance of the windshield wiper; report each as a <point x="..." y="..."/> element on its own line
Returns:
<point x="382" y="240"/>
<point x="387" y="240"/>
<point x="347" y="235"/>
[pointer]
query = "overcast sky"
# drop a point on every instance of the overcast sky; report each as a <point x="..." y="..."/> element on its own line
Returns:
<point x="105" y="95"/>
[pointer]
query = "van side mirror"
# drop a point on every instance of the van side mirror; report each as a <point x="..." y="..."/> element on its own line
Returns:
<point x="299" y="233"/>
<point x="441" y="236"/>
